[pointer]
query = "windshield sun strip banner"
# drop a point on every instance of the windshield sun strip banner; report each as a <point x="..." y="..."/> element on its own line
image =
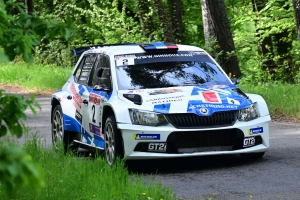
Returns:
<point x="133" y="59"/>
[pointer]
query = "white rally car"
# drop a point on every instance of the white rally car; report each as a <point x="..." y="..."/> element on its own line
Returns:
<point x="156" y="100"/>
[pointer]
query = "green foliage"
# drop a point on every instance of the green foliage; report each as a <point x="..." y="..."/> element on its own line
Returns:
<point x="16" y="168"/>
<point x="96" y="22"/>
<point x="11" y="111"/>
<point x="21" y="32"/>
<point x="274" y="22"/>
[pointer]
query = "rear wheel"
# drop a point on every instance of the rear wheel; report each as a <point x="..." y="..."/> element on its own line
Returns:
<point x="59" y="135"/>
<point x="113" y="141"/>
<point x="252" y="156"/>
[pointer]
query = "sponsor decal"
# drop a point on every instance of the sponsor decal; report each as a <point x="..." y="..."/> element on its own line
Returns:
<point x="191" y="106"/>
<point x="146" y="136"/>
<point x="78" y="117"/>
<point x="211" y="97"/>
<point x="122" y="60"/>
<point x="156" y="92"/>
<point x="94" y="98"/>
<point x="249" y="141"/>
<point x="162" y="108"/>
<point x="76" y="97"/>
<point x="232" y="101"/>
<point x="78" y="72"/>
<point x="162" y="100"/>
<point x="81" y="89"/>
<point x="160" y="147"/>
<point x="255" y="130"/>
<point x="95" y="129"/>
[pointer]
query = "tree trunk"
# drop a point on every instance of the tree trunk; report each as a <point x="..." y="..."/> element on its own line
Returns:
<point x="146" y="19"/>
<point x="164" y="21"/>
<point x="221" y="30"/>
<point x="296" y="5"/>
<point x="29" y="6"/>
<point x="208" y="30"/>
<point x="175" y="13"/>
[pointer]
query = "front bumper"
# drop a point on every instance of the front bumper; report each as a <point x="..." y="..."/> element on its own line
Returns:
<point x="147" y="142"/>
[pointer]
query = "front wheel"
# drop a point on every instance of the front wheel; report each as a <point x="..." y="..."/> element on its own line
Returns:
<point x="113" y="141"/>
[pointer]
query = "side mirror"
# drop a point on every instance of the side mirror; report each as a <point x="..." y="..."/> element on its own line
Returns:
<point x="99" y="72"/>
<point x="235" y="81"/>
<point x="102" y="88"/>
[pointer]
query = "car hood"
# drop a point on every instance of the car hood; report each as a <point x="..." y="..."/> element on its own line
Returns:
<point x="201" y="100"/>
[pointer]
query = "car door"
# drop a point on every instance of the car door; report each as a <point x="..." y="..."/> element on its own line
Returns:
<point x="98" y="96"/>
<point x="82" y="93"/>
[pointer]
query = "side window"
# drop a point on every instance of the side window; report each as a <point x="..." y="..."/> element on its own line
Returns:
<point x="78" y="70"/>
<point x="104" y="80"/>
<point x="83" y="72"/>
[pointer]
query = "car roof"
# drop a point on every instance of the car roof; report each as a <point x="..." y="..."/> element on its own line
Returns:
<point x="135" y="48"/>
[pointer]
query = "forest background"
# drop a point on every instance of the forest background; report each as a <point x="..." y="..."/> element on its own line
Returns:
<point x="257" y="40"/>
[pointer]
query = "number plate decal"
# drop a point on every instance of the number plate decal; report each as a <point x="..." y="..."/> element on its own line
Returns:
<point x="249" y="141"/>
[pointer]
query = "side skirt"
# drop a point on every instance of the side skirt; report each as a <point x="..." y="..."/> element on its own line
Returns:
<point x="87" y="146"/>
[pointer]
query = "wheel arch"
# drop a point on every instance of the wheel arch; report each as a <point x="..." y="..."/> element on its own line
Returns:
<point x="108" y="111"/>
<point x="54" y="103"/>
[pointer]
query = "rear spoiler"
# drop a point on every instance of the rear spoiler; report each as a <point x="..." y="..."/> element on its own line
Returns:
<point x="78" y="51"/>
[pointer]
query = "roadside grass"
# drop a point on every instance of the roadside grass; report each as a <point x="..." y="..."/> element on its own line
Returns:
<point x="34" y="77"/>
<point x="84" y="178"/>
<point x="282" y="99"/>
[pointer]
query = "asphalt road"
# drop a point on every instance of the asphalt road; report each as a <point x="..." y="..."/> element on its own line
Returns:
<point x="275" y="176"/>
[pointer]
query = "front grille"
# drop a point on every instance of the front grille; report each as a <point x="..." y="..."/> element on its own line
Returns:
<point x="190" y="120"/>
<point x="204" y="141"/>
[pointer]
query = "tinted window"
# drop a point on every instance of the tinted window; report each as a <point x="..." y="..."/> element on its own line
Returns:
<point x="83" y="72"/>
<point x="104" y="66"/>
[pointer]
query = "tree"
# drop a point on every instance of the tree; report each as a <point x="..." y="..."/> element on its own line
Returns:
<point x="165" y="23"/>
<point x="29" y="6"/>
<point x="218" y="22"/>
<point x="208" y="30"/>
<point x="175" y="15"/>
<point x="296" y="5"/>
<point x="146" y="19"/>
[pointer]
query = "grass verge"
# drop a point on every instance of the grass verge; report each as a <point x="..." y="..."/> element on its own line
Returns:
<point x="282" y="99"/>
<point x="85" y="178"/>
<point x="33" y="78"/>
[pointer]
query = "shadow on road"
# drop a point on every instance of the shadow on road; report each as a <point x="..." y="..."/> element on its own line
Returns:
<point x="180" y="165"/>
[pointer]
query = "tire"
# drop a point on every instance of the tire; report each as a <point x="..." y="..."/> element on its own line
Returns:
<point x="59" y="135"/>
<point x="252" y="156"/>
<point x="113" y="147"/>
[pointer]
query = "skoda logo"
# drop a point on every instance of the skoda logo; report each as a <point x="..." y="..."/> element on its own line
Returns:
<point x="204" y="111"/>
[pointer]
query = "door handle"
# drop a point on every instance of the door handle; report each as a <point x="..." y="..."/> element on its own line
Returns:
<point x="85" y="101"/>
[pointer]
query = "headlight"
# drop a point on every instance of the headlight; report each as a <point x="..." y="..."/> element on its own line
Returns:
<point x="147" y="118"/>
<point x="248" y="113"/>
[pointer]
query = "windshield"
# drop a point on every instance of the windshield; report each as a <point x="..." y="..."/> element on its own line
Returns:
<point x="141" y="71"/>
